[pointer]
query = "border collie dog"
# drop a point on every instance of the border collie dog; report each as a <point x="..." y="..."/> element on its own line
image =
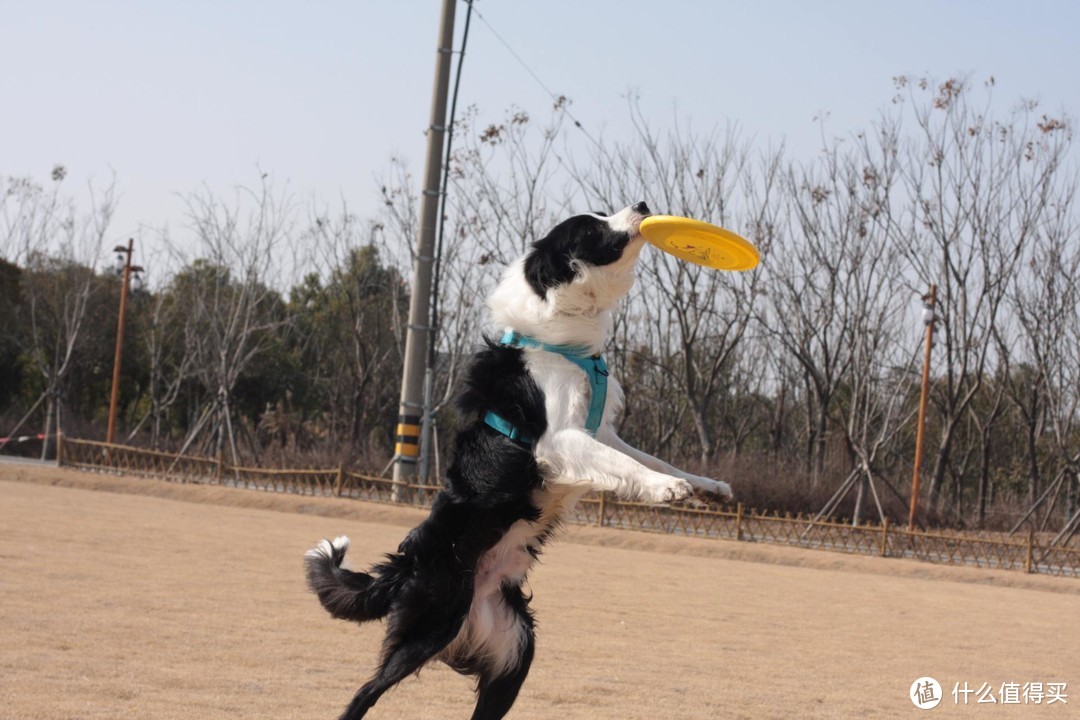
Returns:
<point x="537" y="432"/>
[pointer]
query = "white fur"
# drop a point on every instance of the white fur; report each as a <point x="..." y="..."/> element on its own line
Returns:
<point x="579" y="313"/>
<point x="573" y="462"/>
<point x="492" y="630"/>
<point x="326" y="548"/>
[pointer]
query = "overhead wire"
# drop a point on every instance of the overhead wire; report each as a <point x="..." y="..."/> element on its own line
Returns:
<point x="561" y="101"/>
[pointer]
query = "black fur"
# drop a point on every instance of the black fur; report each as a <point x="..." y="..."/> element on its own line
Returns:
<point x="582" y="238"/>
<point x="426" y="587"/>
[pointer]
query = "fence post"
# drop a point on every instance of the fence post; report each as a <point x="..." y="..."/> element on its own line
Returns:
<point x="738" y="522"/>
<point x="600" y="515"/>
<point x="1029" y="565"/>
<point x="59" y="449"/>
<point x="885" y="537"/>
<point x="340" y="479"/>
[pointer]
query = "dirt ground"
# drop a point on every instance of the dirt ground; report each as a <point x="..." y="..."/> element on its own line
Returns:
<point x="131" y="598"/>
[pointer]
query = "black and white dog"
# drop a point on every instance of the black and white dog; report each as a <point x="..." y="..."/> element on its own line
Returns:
<point x="537" y="432"/>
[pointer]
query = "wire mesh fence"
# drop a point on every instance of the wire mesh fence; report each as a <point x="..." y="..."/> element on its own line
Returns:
<point x="1032" y="554"/>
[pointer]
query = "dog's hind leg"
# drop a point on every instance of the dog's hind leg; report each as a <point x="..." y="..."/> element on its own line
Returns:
<point x="498" y="689"/>
<point x="398" y="664"/>
<point x="415" y="635"/>
<point x="495" y="696"/>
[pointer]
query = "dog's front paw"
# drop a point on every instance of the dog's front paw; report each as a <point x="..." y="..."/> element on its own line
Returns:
<point x="667" y="489"/>
<point x="712" y="488"/>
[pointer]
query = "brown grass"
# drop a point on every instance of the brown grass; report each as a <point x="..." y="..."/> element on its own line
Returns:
<point x="157" y="600"/>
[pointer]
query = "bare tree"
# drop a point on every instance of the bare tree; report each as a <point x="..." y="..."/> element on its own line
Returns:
<point x="501" y="180"/>
<point x="642" y="353"/>
<point x="231" y="304"/>
<point x="355" y="322"/>
<point x="1045" y="299"/>
<point x="168" y="342"/>
<point x="976" y="190"/>
<point x="814" y="293"/>
<point x="60" y="249"/>
<point x="875" y="350"/>
<point x="986" y="418"/>
<point x="698" y="314"/>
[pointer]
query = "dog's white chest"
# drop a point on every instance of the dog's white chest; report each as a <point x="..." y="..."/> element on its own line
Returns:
<point x="567" y="395"/>
<point x="509" y="560"/>
<point x="513" y="556"/>
<point x="490" y="630"/>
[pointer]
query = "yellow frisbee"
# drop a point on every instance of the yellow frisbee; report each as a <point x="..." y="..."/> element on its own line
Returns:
<point x="699" y="242"/>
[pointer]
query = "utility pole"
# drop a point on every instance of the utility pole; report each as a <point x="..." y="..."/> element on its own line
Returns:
<point x="418" y="333"/>
<point x="928" y="319"/>
<point x="126" y="269"/>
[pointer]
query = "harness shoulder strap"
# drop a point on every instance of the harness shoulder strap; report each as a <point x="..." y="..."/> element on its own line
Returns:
<point x="595" y="369"/>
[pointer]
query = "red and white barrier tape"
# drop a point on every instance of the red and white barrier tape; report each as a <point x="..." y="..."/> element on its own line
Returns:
<point x="21" y="438"/>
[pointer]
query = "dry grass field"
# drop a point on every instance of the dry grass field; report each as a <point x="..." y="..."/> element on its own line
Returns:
<point x="130" y="598"/>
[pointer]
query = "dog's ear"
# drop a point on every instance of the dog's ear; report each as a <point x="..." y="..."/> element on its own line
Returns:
<point x="548" y="264"/>
<point x="585" y="239"/>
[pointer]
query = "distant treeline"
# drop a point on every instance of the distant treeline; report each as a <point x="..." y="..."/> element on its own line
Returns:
<point x="787" y="381"/>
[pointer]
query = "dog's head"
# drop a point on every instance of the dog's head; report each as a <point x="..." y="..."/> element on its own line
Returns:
<point x="564" y="287"/>
<point x="584" y="246"/>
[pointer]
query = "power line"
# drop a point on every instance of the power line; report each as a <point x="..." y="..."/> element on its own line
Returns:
<point x="560" y="101"/>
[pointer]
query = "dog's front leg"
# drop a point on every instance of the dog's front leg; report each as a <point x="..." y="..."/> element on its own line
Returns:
<point x="573" y="457"/>
<point x="701" y="484"/>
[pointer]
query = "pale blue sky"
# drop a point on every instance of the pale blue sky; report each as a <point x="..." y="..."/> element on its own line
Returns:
<point x="174" y="94"/>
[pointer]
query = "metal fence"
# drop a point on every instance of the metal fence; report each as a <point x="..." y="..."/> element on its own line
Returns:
<point x="990" y="550"/>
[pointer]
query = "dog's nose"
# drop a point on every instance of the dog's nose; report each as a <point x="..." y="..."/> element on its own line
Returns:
<point x="641" y="208"/>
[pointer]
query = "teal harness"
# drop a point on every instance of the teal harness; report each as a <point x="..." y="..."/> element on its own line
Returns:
<point x="595" y="370"/>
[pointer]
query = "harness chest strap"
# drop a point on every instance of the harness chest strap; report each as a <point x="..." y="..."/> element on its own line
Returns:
<point x="595" y="370"/>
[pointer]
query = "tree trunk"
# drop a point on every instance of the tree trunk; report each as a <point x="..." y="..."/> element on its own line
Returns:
<point x="777" y="432"/>
<point x="704" y="436"/>
<point x="820" y="441"/>
<point x="809" y="429"/>
<point x="984" y="485"/>
<point x="1071" y="495"/>
<point x="937" y="479"/>
<point x="50" y="410"/>
<point x="860" y="496"/>
<point x="984" y="479"/>
<point x="1034" y="479"/>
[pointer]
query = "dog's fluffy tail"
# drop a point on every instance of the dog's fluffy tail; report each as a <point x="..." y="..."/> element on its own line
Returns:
<point x="345" y="594"/>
